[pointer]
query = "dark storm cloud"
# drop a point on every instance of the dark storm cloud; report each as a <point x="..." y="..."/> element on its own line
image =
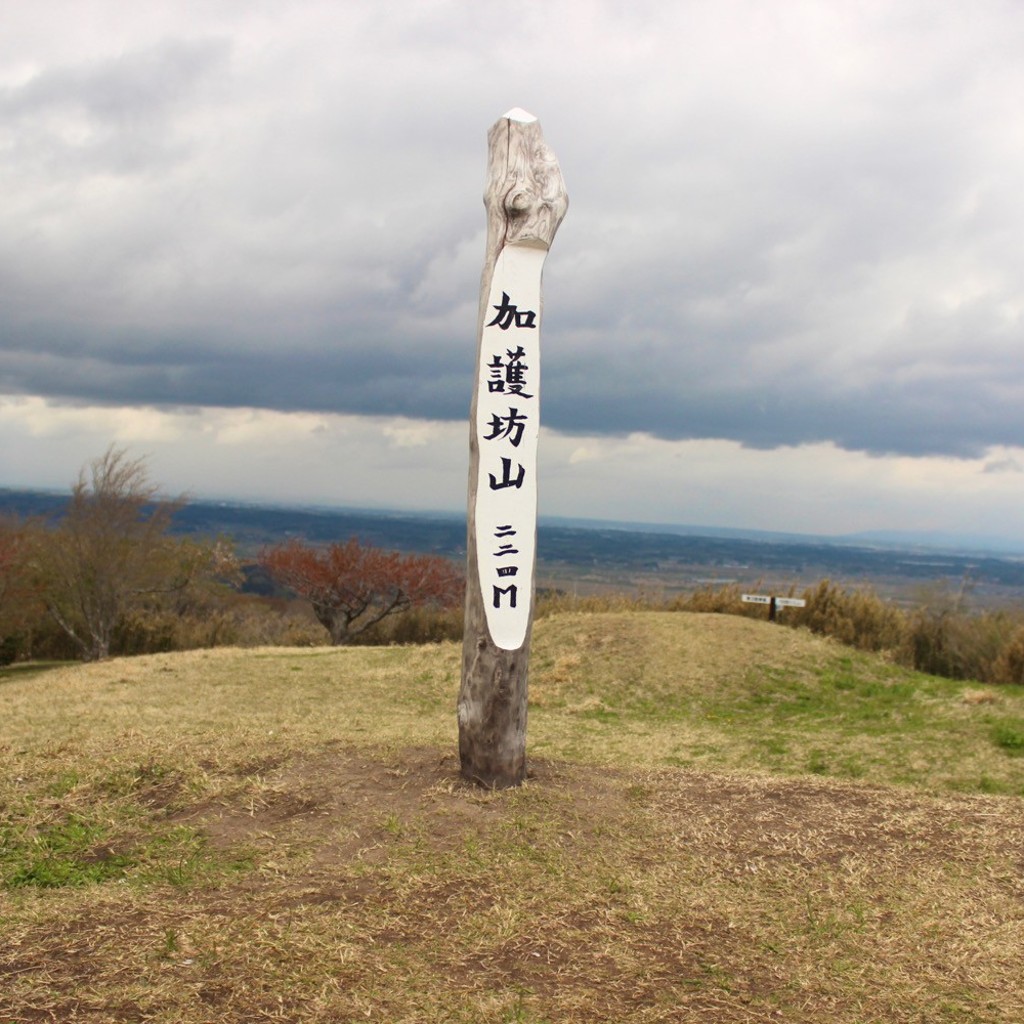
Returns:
<point x="112" y="115"/>
<point x="783" y="229"/>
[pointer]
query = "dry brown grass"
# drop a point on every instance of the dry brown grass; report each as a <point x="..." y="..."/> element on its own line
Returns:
<point x="342" y="872"/>
<point x="383" y="889"/>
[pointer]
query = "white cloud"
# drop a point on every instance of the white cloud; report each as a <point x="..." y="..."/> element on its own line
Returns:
<point x="252" y="427"/>
<point x="806" y="488"/>
<point x="410" y="464"/>
<point x="35" y="417"/>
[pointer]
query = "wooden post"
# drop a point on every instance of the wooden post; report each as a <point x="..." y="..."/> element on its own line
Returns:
<point x="526" y="201"/>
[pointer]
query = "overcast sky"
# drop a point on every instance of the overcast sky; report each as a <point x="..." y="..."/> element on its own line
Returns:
<point x="245" y="238"/>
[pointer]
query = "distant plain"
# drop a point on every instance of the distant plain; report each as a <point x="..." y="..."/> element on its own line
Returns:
<point x="587" y="557"/>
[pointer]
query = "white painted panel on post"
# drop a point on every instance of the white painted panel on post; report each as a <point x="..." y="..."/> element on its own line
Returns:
<point x="507" y="427"/>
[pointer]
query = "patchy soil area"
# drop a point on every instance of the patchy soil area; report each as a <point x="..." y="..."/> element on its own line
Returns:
<point x="376" y="886"/>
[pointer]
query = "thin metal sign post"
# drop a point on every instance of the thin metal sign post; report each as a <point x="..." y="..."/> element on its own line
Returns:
<point x="774" y="603"/>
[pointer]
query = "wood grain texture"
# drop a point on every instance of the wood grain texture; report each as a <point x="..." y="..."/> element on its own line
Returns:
<point x="525" y="199"/>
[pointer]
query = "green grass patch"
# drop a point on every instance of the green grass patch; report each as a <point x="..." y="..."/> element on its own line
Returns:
<point x="72" y="851"/>
<point x="70" y="819"/>
<point x="717" y="692"/>
<point x="1009" y="736"/>
<point x="102" y="844"/>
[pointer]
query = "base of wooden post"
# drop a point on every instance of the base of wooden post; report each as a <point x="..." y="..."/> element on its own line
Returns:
<point x="492" y="716"/>
<point x="504" y="772"/>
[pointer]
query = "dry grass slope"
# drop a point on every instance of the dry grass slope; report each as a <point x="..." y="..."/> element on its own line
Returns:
<point x="726" y="822"/>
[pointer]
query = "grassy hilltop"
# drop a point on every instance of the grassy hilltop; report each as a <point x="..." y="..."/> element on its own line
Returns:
<point x="726" y="821"/>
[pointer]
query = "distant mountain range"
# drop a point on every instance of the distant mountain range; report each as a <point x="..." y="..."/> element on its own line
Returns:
<point x="938" y="541"/>
<point x="901" y="539"/>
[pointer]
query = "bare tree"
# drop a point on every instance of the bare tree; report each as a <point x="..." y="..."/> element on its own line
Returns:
<point x="13" y="543"/>
<point x="19" y="602"/>
<point x="111" y="552"/>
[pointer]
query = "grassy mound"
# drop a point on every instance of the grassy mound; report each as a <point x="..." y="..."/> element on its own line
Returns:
<point x="725" y="821"/>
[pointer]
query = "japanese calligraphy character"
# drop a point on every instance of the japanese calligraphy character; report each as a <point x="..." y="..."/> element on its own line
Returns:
<point x="510" y="426"/>
<point x="511" y="590"/>
<point x="506" y="476"/>
<point x="510" y="377"/>
<point x="509" y="314"/>
<point x="508" y="570"/>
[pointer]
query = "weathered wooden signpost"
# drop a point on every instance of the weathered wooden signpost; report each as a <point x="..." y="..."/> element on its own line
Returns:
<point x="526" y="201"/>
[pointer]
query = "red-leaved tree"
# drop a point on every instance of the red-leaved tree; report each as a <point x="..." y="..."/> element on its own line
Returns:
<point x="352" y="587"/>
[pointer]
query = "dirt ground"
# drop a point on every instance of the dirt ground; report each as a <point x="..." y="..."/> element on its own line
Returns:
<point x="380" y="887"/>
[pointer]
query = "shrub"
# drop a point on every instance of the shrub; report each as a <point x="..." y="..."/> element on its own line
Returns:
<point x="1009" y="665"/>
<point x="941" y="637"/>
<point x="557" y="602"/>
<point x="416" y="626"/>
<point x="858" y="618"/>
<point x="724" y="600"/>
